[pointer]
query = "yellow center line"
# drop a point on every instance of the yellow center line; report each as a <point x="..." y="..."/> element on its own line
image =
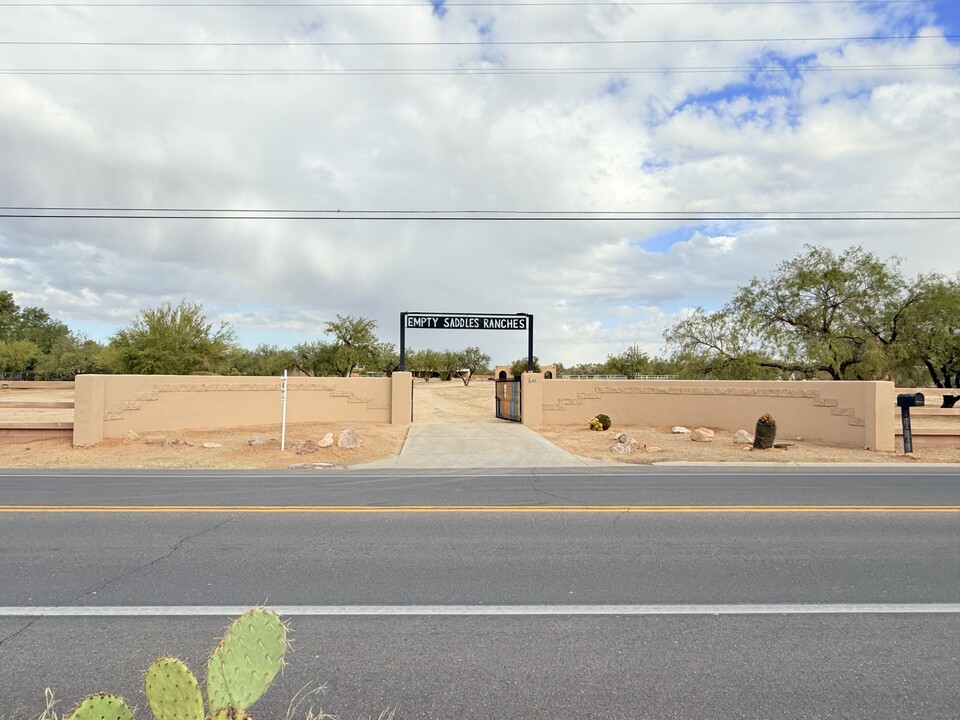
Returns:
<point x="400" y="509"/>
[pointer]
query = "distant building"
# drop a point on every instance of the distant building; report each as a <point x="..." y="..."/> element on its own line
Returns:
<point x="502" y="372"/>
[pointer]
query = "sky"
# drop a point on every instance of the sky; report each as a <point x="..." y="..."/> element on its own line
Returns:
<point x="607" y="167"/>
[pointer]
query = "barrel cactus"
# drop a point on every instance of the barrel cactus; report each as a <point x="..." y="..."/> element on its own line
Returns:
<point x="765" y="432"/>
<point x="600" y="422"/>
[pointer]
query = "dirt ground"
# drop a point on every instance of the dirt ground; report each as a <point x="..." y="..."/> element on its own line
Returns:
<point x="434" y="402"/>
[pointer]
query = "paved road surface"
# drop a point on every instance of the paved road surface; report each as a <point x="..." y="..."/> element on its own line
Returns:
<point x="850" y="664"/>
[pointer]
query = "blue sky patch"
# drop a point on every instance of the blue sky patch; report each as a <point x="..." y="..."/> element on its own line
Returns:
<point x="663" y="242"/>
<point x="615" y="85"/>
<point x="439" y="9"/>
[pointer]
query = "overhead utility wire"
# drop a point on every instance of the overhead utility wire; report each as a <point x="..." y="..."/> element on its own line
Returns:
<point x="463" y="71"/>
<point x="484" y="43"/>
<point x="464" y="215"/>
<point x="449" y="211"/>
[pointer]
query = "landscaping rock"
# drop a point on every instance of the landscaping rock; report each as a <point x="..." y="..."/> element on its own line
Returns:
<point x="307" y="446"/>
<point x="747" y="448"/>
<point x="211" y="445"/>
<point x="621" y="448"/>
<point x="742" y="437"/>
<point x="179" y="442"/>
<point x="652" y="448"/>
<point x="256" y="441"/>
<point x="327" y="440"/>
<point x="679" y="429"/>
<point x="155" y="439"/>
<point x="348" y="439"/>
<point x="131" y="435"/>
<point x="702" y="434"/>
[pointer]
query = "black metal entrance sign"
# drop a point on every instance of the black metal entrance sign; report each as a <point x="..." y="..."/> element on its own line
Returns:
<point x="464" y="321"/>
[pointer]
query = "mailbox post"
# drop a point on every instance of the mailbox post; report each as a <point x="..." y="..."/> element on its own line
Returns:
<point x="905" y="401"/>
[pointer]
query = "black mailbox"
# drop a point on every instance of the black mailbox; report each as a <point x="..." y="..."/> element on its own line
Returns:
<point x="908" y="400"/>
<point x="905" y="401"/>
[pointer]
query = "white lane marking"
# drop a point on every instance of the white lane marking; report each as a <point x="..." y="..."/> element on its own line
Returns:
<point x="437" y="610"/>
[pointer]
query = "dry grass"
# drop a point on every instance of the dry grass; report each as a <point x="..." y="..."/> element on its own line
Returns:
<point x="680" y="448"/>
<point x="377" y="441"/>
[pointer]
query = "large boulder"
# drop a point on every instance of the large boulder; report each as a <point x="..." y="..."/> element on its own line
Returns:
<point x="702" y="434"/>
<point x="348" y="439"/>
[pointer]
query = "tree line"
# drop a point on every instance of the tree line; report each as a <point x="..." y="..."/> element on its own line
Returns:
<point x="179" y="340"/>
<point x="821" y="315"/>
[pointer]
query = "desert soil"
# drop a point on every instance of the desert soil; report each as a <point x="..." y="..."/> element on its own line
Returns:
<point x="434" y="402"/>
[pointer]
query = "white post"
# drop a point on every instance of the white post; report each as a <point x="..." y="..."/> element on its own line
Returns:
<point x="283" y="400"/>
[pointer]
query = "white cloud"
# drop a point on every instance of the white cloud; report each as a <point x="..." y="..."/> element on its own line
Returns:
<point x="702" y="142"/>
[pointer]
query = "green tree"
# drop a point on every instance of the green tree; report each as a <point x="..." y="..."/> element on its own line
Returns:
<point x="930" y="336"/>
<point x="355" y="342"/>
<point x="316" y="359"/>
<point x="31" y="323"/>
<point x="172" y="340"/>
<point x="36" y="325"/>
<point x="631" y="362"/>
<point x="810" y="313"/>
<point x="9" y="316"/>
<point x="713" y="345"/>
<point x="519" y="366"/>
<point x="425" y="362"/>
<point x="265" y="360"/>
<point x="842" y="316"/>
<point x="472" y="359"/>
<point x="17" y="355"/>
<point x="70" y="356"/>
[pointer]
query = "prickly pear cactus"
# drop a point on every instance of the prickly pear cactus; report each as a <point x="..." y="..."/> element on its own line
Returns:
<point x="245" y="662"/>
<point x="102" y="706"/>
<point x="173" y="691"/>
<point x="765" y="433"/>
<point x="229" y="714"/>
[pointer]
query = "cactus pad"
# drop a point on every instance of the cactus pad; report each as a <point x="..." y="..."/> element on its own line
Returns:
<point x="102" y="706"/>
<point x="173" y="691"/>
<point x="245" y="662"/>
<point x="229" y="714"/>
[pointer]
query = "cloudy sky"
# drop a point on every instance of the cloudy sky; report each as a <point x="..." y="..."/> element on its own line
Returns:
<point x="574" y="160"/>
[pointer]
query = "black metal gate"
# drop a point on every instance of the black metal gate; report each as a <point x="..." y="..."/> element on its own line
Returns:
<point x="508" y="400"/>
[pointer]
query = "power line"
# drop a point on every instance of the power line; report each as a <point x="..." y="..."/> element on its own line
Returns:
<point x="483" y="43"/>
<point x="249" y="72"/>
<point x="132" y="213"/>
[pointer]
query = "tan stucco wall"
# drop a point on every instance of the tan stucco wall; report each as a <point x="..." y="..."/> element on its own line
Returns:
<point x="107" y="406"/>
<point x="851" y="414"/>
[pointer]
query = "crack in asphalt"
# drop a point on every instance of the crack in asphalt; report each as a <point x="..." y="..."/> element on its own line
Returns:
<point x="122" y="575"/>
<point x="533" y="486"/>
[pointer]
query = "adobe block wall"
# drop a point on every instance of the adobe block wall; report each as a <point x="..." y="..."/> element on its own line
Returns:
<point x="108" y="406"/>
<point x="849" y="414"/>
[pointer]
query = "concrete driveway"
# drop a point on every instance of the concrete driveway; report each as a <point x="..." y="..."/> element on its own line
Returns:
<point x="479" y="445"/>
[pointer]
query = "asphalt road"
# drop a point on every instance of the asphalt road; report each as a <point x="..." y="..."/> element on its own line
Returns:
<point x="851" y="664"/>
